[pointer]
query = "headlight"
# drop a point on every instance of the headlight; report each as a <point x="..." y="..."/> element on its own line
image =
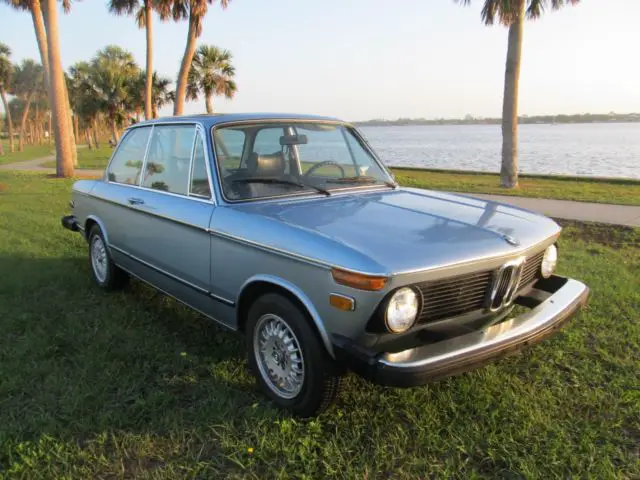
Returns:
<point x="549" y="261"/>
<point x="402" y="310"/>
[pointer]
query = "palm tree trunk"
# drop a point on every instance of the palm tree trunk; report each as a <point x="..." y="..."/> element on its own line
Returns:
<point x="95" y="133"/>
<point x="23" y="120"/>
<point x="148" y="98"/>
<point x="7" y="113"/>
<point x="183" y="74"/>
<point x="509" y="169"/>
<point x="155" y="111"/>
<point x="50" y="132"/>
<point x="114" y="131"/>
<point x="87" y="136"/>
<point x="37" y="16"/>
<point x="209" y="103"/>
<point x="76" y="126"/>
<point x="59" y="100"/>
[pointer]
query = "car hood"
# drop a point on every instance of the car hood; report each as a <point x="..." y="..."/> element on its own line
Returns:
<point x="395" y="231"/>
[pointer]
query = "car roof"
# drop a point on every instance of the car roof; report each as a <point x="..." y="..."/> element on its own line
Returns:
<point x="215" y="119"/>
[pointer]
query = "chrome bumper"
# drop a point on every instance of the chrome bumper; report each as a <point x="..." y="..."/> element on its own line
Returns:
<point x="426" y="363"/>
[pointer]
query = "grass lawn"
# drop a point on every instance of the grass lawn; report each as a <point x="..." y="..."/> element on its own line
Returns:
<point x="132" y="384"/>
<point x="623" y="192"/>
<point x="90" y="159"/>
<point x="30" y="152"/>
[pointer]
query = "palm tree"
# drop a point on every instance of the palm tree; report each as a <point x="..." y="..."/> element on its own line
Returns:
<point x="161" y="95"/>
<point x="113" y="77"/>
<point x="28" y="79"/>
<point x="194" y="11"/>
<point x="144" y="17"/>
<point x="6" y="71"/>
<point x="512" y="13"/>
<point x="212" y="74"/>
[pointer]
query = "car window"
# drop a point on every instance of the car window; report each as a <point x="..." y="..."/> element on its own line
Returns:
<point x="169" y="158"/>
<point x="229" y="145"/>
<point x="127" y="162"/>
<point x="199" y="178"/>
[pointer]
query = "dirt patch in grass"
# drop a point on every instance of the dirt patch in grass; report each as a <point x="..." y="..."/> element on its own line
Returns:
<point x="615" y="236"/>
<point x="3" y="188"/>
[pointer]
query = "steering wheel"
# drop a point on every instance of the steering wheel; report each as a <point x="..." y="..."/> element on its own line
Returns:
<point x="323" y="164"/>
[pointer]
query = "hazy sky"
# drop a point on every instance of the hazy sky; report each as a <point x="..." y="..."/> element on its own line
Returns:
<point x="360" y="59"/>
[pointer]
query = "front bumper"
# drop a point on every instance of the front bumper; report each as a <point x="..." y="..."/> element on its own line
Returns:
<point x="554" y="301"/>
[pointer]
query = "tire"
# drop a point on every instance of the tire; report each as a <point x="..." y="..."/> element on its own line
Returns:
<point x="106" y="274"/>
<point x="273" y="321"/>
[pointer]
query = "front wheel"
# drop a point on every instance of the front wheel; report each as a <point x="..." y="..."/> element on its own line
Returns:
<point x="292" y="365"/>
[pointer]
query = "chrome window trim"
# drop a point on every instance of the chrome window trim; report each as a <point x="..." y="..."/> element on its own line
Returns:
<point x="127" y="132"/>
<point x="310" y="194"/>
<point x="201" y="290"/>
<point x="193" y="149"/>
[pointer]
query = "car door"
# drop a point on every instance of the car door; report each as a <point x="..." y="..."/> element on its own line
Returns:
<point x="170" y="240"/>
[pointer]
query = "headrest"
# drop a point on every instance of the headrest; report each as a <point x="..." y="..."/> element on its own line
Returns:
<point x="271" y="165"/>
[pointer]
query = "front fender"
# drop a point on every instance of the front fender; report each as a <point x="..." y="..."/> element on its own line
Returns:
<point x="300" y="295"/>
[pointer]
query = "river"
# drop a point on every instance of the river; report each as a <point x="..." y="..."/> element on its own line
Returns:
<point x="587" y="149"/>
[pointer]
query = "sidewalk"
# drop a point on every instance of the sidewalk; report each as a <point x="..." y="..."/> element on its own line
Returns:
<point x="584" y="211"/>
<point x="35" y="165"/>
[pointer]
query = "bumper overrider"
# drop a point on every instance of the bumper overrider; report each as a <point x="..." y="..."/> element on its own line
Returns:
<point x="552" y="301"/>
<point x="70" y="223"/>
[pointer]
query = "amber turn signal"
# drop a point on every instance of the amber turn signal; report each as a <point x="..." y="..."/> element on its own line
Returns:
<point x="342" y="302"/>
<point x="358" y="280"/>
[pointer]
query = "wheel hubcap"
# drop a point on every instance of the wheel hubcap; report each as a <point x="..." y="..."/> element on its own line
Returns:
<point x="99" y="258"/>
<point x="278" y="355"/>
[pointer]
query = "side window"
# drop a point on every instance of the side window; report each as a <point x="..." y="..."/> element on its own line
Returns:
<point x="169" y="158"/>
<point x="127" y="162"/>
<point x="199" y="178"/>
<point x="229" y="145"/>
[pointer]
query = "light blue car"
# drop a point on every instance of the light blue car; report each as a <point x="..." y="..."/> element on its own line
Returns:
<point x="289" y="229"/>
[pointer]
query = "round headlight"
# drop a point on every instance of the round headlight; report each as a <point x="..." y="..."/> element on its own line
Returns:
<point x="549" y="261"/>
<point x="402" y="310"/>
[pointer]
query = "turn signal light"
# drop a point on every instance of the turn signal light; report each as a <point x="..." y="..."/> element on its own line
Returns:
<point x="358" y="280"/>
<point x="342" y="302"/>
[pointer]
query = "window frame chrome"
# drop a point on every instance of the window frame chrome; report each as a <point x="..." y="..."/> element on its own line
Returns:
<point x="311" y="194"/>
<point x="198" y="126"/>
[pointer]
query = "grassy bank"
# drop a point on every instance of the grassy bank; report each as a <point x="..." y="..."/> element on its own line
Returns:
<point x="30" y="152"/>
<point x="96" y="158"/>
<point x="619" y="191"/>
<point x="132" y="384"/>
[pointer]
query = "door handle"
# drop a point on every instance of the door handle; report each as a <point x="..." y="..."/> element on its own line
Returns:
<point x="135" y="201"/>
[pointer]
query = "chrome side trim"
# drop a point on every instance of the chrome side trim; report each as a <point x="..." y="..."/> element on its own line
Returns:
<point x="177" y="299"/>
<point x="300" y="295"/>
<point x="496" y="338"/>
<point x="174" y="277"/>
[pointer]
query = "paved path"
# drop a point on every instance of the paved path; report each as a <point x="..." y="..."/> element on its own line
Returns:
<point x="590" y="212"/>
<point x="35" y="165"/>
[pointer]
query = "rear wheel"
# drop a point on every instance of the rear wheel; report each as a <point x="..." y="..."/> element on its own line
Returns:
<point x="106" y="274"/>
<point x="291" y="363"/>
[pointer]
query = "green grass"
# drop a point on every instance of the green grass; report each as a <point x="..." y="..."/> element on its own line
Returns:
<point x="618" y="191"/>
<point x="132" y="384"/>
<point x="90" y="159"/>
<point x="30" y="152"/>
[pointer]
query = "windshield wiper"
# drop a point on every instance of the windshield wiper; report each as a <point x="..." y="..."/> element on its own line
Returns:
<point x="362" y="179"/>
<point x="282" y="181"/>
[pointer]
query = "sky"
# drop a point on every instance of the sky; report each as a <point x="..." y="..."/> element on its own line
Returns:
<point x="362" y="59"/>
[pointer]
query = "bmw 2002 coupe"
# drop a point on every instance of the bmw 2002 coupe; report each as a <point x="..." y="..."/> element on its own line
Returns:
<point x="290" y="230"/>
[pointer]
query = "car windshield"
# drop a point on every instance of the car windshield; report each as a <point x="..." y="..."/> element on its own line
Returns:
<point x="261" y="160"/>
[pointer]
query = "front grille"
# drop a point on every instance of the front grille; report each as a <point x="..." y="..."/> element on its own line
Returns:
<point x="531" y="269"/>
<point x="465" y="293"/>
<point x="453" y="296"/>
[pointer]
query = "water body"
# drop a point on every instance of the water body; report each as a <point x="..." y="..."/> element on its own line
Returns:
<point x="588" y="149"/>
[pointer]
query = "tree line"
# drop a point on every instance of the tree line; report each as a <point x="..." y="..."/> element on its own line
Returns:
<point x="110" y="89"/>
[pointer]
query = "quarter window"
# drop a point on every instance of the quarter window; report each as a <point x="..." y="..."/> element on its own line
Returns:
<point x="199" y="178"/>
<point x="169" y="158"/>
<point x="126" y="164"/>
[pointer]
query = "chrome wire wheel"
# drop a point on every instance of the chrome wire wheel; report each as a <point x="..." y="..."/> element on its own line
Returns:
<point x="99" y="258"/>
<point x="278" y="356"/>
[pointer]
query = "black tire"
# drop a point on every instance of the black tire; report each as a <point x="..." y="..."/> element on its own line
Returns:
<point x="114" y="278"/>
<point x="321" y="380"/>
